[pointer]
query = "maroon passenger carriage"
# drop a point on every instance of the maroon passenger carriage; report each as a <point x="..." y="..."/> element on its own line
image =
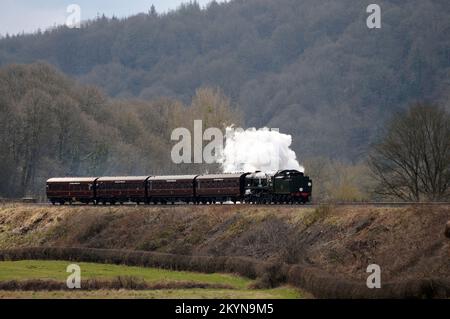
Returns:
<point x="121" y="189"/>
<point x="220" y="188"/>
<point x="171" y="189"/>
<point x="71" y="189"/>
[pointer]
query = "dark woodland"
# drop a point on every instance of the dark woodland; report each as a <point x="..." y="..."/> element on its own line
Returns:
<point x="103" y="99"/>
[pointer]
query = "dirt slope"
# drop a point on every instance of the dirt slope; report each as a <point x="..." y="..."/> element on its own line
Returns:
<point x="406" y="242"/>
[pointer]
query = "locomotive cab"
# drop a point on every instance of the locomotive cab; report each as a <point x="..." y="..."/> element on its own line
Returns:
<point x="257" y="187"/>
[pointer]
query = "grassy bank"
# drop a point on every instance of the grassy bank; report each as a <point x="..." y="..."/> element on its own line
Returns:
<point x="325" y="243"/>
<point x="408" y="241"/>
<point x="239" y="287"/>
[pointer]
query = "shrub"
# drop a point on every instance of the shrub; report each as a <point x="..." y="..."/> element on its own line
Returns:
<point x="121" y="282"/>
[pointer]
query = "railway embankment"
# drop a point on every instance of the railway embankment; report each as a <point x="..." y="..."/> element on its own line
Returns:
<point x="304" y="243"/>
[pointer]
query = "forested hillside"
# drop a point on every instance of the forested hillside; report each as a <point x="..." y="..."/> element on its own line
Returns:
<point x="311" y="68"/>
<point x="51" y="126"/>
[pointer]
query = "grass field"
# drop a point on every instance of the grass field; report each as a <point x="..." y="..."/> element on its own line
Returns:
<point x="22" y="270"/>
<point x="56" y="270"/>
<point x="278" y="293"/>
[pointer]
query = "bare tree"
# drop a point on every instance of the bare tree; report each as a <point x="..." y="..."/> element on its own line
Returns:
<point x="412" y="161"/>
<point x="35" y="132"/>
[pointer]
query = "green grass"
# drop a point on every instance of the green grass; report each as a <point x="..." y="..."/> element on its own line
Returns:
<point x="37" y="269"/>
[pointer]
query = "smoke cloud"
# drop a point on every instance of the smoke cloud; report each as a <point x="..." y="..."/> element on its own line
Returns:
<point x="257" y="150"/>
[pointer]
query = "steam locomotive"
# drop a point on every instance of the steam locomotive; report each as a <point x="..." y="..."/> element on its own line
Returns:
<point x="283" y="187"/>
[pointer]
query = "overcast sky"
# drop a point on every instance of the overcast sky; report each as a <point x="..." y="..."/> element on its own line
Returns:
<point x="29" y="15"/>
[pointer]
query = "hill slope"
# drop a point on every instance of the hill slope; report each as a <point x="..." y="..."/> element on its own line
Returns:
<point x="312" y="69"/>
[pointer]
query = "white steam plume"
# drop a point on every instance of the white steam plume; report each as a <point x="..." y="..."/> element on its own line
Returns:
<point x="257" y="150"/>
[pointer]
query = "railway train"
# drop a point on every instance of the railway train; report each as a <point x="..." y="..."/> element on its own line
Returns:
<point x="283" y="187"/>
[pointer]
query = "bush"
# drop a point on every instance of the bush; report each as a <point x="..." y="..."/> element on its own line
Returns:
<point x="118" y="283"/>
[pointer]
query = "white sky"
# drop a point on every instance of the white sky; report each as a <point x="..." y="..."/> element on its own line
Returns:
<point x="28" y="16"/>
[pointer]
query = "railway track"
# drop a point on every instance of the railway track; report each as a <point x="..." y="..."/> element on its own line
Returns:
<point x="309" y="205"/>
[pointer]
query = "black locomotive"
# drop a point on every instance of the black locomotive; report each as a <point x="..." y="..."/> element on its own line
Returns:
<point x="284" y="187"/>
